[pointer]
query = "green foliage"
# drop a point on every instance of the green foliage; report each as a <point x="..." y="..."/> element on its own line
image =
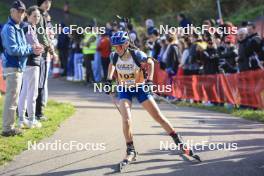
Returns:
<point x="4" y="12"/>
<point x="246" y="14"/>
<point x="162" y="11"/>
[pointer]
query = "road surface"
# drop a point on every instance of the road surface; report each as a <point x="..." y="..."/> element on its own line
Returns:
<point x="97" y="124"/>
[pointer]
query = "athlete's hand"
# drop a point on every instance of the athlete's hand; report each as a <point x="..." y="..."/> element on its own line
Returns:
<point x="108" y="87"/>
<point x="149" y="83"/>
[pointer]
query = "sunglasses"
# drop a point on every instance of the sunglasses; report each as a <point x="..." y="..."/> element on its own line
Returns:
<point x="118" y="47"/>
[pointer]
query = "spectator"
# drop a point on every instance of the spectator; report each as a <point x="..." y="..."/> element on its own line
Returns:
<point x="200" y="55"/>
<point x="16" y="50"/>
<point x="254" y="46"/>
<point x="208" y="26"/>
<point x="115" y="27"/>
<point x="108" y="29"/>
<point x="29" y="91"/>
<point x="89" y="49"/>
<point x="230" y="28"/>
<point x="172" y="55"/>
<point x="70" y="60"/>
<point x="63" y="48"/>
<point x="183" y="21"/>
<point x="104" y="47"/>
<point x="185" y="55"/>
<point x="149" y="26"/>
<point x="227" y="56"/>
<point x="163" y="46"/>
<point x="51" y="35"/>
<point x="1" y="46"/>
<point x="45" y="40"/>
<point x="1" y="49"/>
<point x="78" y="57"/>
<point x="207" y="36"/>
<point x="133" y="35"/>
<point x="211" y="59"/>
<point x="192" y="65"/>
<point x="243" y="59"/>
<point x="154" y="38"/>
<point x="97" y="63"/>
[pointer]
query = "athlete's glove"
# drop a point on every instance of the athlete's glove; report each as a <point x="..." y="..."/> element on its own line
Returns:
<point x="149" y="83"/>
<point x="108" y="87"/>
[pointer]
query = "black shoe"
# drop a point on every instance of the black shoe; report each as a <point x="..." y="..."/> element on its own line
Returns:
<point x="131" y="155"/>
<point x="13" y="132"/>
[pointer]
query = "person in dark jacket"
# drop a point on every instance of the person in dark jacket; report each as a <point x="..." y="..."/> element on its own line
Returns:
<point x="45" y="40"/>
<point x="243" y="59"/>
<point x="192" y="64"/>
<point x="183" y="21"/>
<point x="255" y="50"/>
<point x="63" y="48"/>
<point x="227" y="56"/>
<point x="211" y="59"/>
<point x="172" y="55"/>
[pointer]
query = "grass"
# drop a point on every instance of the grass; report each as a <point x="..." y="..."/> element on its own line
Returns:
<point x="11" y="146"/>
<point x="255" y="115"/>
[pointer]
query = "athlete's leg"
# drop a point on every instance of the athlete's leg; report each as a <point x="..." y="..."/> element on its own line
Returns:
<point x="151" y="106"/>
<point x="125" y="109"/>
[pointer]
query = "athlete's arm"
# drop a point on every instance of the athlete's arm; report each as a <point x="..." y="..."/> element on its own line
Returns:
<point x="111" y="71"/>
<point x="111" y="67"/>
<point x="151" y="71"/>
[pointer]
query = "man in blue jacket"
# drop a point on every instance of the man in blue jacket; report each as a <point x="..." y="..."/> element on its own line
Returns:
<point x="16" y="50"/>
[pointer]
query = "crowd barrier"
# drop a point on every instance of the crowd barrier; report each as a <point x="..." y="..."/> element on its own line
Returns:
<point x="246" y="88"/>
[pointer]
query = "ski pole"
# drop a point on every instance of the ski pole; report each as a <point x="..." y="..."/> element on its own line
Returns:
<point x="165" y="100"/>
<point x="114" y="102"/>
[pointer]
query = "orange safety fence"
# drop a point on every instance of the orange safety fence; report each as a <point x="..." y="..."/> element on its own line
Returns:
<point x="246" y="88"/>
<point x="2" y="82"/>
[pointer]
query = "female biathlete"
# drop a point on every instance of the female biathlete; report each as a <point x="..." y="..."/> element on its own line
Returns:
<point x="127" y="62"/>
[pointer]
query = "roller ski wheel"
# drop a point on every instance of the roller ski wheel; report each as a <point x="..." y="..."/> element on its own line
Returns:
<point x="185" y="149"/>
<point x="130" y="158"/>
<point x="189" y="152"/>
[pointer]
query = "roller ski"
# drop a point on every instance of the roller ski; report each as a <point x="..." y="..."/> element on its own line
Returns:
<point x="131" y="156"/>
<point x="184" y="148"/>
